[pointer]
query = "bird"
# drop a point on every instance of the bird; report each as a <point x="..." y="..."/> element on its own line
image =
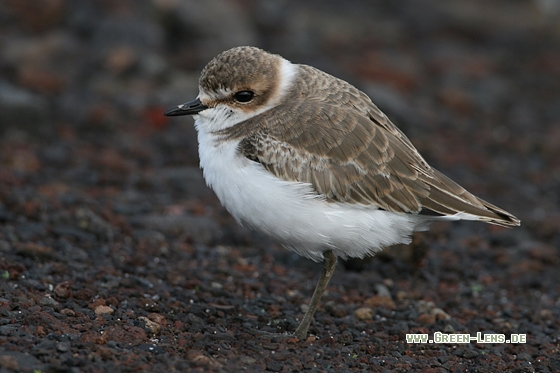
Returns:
<point x="310" y="161"/>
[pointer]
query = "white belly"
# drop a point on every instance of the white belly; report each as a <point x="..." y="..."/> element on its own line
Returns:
<point x="292" y="213"/>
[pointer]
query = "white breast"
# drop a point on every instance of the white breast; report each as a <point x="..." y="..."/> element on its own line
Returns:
<point x="291" y="212"/>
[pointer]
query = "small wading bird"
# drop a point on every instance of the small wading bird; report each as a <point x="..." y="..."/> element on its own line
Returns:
<point x="310" y="161"/>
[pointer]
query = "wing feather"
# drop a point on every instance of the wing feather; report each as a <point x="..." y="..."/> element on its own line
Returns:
<point x="350" y="152"/>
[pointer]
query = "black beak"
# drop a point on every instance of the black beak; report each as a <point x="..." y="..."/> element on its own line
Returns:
<point x="190" y="108"/>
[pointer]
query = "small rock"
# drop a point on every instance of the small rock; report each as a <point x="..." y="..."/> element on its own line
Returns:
<point x="335" y="309"/>
<point x="157" y="318"/>
<point x="62" y="290"/>
<point x="7" y="330"/>
<point x="63" y="347"/>
<point x="148" y="304"/>
<point x="546" y="314"/>
<point x="380" y="301"/>
<point x="401" y="294"/>
<point x="440" y="314"/>
<point x="40" y="331"/>
<point x="469" y="354"/>
<point x="449" y="329"/>
<point x="247" y="360"/>
<point x="274" y="366"/>
<point x="149" y="326"/>
<point x="47" y="301"/>
<point x="150" y="347"/>
<point x="68" y="312"/>
<point x="21" y="106"/>
<point x="9" y="362"/>
<point x="97" y="302"/>
<point x="84" y="294"/>
<point x="424" y="306"/>
<point x="20" y="362"/>
<point x="364" y="313"/>
<point x="383" y="290"/>
<point x="102" y="310"/>
<point x="398" y="328"/>
<point x="524" y="357"/>
<point x="426" y="319"/>
<point x="200" y="358"/>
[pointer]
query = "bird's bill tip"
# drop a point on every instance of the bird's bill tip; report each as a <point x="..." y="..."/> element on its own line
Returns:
<point x="189" y="108"/>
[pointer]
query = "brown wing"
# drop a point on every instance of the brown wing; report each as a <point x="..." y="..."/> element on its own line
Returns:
<point x="350" y="152"/>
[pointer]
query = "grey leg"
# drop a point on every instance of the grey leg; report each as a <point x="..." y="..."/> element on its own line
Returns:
<point x="329" y="264"/>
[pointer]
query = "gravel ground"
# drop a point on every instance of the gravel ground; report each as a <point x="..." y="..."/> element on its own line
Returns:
<point x="114" y="256"/>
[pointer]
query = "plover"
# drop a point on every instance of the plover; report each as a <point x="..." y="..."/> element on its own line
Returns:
<point x="309" y="160"/>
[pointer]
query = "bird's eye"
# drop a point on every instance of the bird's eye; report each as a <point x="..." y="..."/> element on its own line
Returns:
<point x="244" y="96"/>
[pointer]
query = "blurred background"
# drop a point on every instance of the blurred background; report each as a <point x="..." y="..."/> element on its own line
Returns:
<point x="474" y="84"/>
<point x="105" y="219"/>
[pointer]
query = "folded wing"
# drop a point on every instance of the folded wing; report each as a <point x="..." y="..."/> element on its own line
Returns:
<point x="350" y="152"/>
